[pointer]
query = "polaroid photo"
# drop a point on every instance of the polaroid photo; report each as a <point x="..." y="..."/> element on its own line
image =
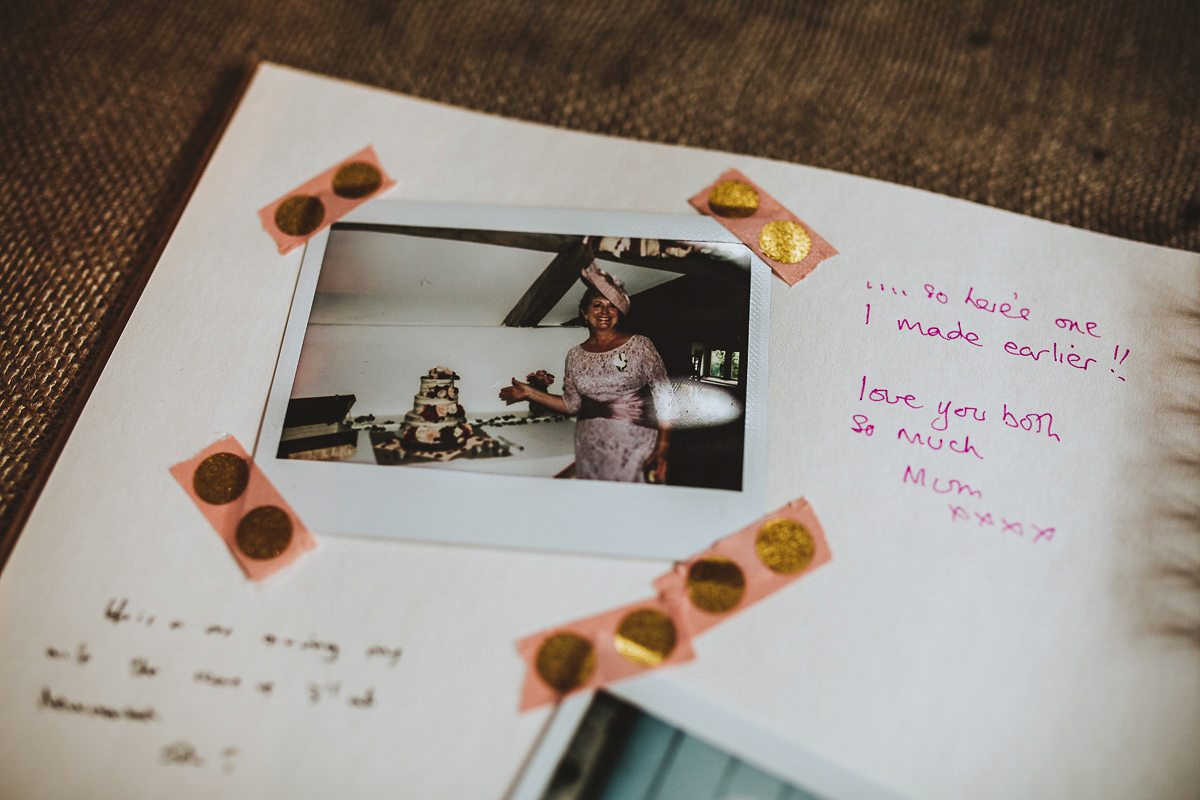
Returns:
<point x="531" y="378"/>
<point x="651" y="739"/>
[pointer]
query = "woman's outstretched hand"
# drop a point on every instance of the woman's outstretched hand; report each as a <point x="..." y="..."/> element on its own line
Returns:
<point x="656" y="466"/>
<point x="515" y="393"/>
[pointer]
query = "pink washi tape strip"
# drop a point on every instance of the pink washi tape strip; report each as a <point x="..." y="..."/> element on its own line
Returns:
<point x="312" y="207"/>
<point x="598" y="650"/>
<point x="743" y="568"/>
<point x="246" y="511"/>
<point x="777" y="235"/>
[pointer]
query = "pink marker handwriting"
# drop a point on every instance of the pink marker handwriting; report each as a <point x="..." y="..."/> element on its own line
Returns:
<point x="1056" y="355"/>
<point x="1068" y="324"/>
<point x="883" y="288"/>
<point x="942" y="421"/>
<point x="983" y="519"/>
<point x="1037" y="421"/>
<point x="1116" y="352"/>
<point x="954" y="488"/>
<point x="885" y="396"/>
<point x="1002" y="309"/>
<point x="950" y="486"/>
<point x="1032" y="423"/>
<point x="1064" y="354"/>
<point x="862" y="425"/>
<point x="963" y="447"/>
<point x="957" y="334"/>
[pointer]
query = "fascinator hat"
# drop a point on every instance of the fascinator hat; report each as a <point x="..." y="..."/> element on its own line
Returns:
<point x="612" y="289"/>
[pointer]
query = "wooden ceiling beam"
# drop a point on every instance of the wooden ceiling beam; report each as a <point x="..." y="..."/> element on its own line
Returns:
<point x="549" y="287"/>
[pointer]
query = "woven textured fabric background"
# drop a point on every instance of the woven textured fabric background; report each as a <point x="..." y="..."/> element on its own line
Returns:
<point x="1086" y="113"/>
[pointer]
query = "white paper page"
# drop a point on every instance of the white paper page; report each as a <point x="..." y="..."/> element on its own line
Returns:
<point x="938" y="656"/>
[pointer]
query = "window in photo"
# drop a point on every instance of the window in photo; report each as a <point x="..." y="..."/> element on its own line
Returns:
<point x="716" y="364"/>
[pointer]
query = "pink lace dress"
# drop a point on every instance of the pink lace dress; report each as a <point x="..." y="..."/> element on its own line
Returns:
<point x="615" y="395"/>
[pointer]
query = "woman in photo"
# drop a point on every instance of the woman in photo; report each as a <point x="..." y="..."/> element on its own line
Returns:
<point x="612" y="383"/>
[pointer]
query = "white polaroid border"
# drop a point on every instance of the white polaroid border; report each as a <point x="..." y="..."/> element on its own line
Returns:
<point x="461" y="507"/>
<point x="702" y="717"/>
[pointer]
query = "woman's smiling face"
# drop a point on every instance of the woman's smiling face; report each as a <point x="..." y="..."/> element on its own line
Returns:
<point x="600" y="314"/>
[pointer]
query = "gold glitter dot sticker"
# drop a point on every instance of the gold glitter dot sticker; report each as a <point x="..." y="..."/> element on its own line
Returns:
<point x="221" y="478"/>
<point x="264" y="533"/>
<point x="565" y="661"/>
<point x="645" y="637"/>
<point x="785" y="546"/>
<point x="733" y="199"/>
<point x="784" y="241"/>
<point x="715" y="584"/>
<point x="300" y="215"/>
<point x="357" y="179"/>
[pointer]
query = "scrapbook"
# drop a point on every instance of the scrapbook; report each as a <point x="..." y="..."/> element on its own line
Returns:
<point x="983" y="413"/>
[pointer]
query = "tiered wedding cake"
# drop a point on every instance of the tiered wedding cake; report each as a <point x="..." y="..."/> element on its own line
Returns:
<point x="437" y="422"/>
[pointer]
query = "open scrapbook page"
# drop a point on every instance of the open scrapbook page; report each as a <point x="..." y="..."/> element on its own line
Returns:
<point x="524" y="477"/>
